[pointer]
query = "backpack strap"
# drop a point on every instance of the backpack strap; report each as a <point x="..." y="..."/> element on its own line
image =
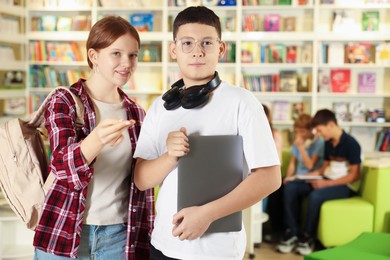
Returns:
<point x="38" y="120"/>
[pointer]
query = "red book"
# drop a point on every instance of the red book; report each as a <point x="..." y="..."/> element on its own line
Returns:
<point x="340" y="80"/>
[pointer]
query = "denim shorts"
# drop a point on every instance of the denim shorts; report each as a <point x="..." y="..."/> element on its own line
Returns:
<point x="97" y="243"/>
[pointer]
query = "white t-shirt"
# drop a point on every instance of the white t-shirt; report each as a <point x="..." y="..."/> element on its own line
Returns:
<point x="230" y="111"/>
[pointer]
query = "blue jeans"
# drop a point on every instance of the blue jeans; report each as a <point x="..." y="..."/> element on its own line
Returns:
<point x="293" y="195"/>
<point x="97" y="243"/>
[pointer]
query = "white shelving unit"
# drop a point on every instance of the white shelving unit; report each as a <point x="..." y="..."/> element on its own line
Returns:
<point x="254" y="218"/>
<point x="15" y="239"/>
<point x="16" y="41"/>
<point x="313" y="27"/>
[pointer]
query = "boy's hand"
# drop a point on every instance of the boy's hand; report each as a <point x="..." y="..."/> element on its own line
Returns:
<point x="177" y="144"/>
<point x="190" y="223"/>
<point x="318" y="184"/>
<point x="110" y="131"/>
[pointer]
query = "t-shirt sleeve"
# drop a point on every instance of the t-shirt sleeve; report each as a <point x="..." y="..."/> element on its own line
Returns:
<point x="259" y="145"/>
<point x="319" y="147"/>
<point x="354" y="152"/>
<point x="147" y="144"/>
<point x="294" y="151"/>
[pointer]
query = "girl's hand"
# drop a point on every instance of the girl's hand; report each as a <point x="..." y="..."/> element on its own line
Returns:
<point x="110" y="131"/>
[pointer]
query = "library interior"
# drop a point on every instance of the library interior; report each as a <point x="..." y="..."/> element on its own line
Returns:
<point x="295" y="56"/>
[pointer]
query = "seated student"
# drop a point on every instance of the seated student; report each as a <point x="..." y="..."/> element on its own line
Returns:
<point x="341" y="167"/>
<point x="306" y="155"/>
<point x="307" y="150"/>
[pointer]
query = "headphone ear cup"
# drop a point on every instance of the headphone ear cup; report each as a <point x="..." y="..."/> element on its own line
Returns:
<point x="194" y="96"/>
<point x="172" y="98"/>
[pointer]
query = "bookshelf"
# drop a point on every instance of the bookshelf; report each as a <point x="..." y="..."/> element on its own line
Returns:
<point x="355" y="48"/>
<point x="12" y="60"/>
<point x="258" y="35"/>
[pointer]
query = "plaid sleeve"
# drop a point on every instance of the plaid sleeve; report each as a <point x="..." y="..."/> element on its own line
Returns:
<point x="67" y="160"/>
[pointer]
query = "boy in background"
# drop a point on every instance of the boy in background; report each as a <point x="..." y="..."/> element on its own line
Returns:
<point x="342" y="159"/>
<point x="201" y="104"/>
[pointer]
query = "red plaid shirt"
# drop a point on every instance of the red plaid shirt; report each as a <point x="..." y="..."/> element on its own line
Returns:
<point x="59" y="228"/>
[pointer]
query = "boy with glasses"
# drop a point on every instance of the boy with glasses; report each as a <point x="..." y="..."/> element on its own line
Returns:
<point x="201" y="104"/>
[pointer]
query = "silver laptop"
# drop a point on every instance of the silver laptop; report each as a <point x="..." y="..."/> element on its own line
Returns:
<point x="213" y="168"/>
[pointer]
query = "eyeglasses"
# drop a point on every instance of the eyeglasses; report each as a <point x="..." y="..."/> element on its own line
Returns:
<point x="188" y="44"/>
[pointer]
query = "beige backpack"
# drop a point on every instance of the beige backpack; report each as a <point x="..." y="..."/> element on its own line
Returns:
<point x="24" y="180"/>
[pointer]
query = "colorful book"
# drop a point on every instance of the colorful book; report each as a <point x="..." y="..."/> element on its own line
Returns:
<point x="370" y="21"/>
<point x="379" y="142"/>
<point x="14" y="79"/>
<point x="250" y="52"/>
<point x="81" y="23"/>
<point x="277" y="53"/>
<point x="366" y="82"/>
<point x="49" y="23"/>
<point x="288" y="81"/>
<point x="304" y="82"/>
<point x="359" y="53"/>
<point x="64" y="23"/>
<point x="289" y="24"/>
<point x="385" y="145"/>
<point x="284" y="2"/>
<point x="280" y="110"/>
<point x="297" y="109"/>
<point x="291" y="54"/>
<point x="324" y="81"/>
<point x="376" y="115"/>
<point x="272" y="23"/>
<point x="340" y="80"/>
<point x="382" y="54"/>
<point x="357" y="111"/>
<point x="150" y="53"/>
<point x="305" y="54"/>
<point x="341" y="111"/>
<point x="143" y="22"/>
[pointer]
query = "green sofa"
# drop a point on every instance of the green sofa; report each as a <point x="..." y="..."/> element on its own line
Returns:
<point x="341" y="221"/>
<point x="367" y="246"/>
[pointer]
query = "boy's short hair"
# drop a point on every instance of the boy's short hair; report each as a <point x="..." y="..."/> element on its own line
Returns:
<point x="322" y="117"/>
<point x="197" y="14"/>
<point x="303" y="121"/>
